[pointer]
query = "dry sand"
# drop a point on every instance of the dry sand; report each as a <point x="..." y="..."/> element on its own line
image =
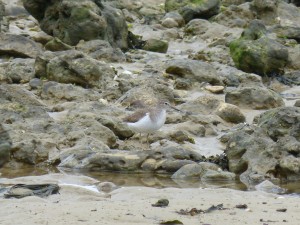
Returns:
<point x="133" y="205"/>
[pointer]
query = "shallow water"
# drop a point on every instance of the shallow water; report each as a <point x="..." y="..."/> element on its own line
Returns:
<point x="140" y="179"/>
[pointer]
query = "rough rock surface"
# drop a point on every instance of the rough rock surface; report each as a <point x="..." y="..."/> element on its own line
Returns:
<point x="254" y="97"/>
<point x="255" y="52"/>
<point x="5" y="146"/>
<point x="74" y="67"/>
<point x="18" y="46"/>
<point x="72" y="21"/>
<point x="193" y="70"/>
<point x="256" y="153"/>
<point x="193" y="9"/>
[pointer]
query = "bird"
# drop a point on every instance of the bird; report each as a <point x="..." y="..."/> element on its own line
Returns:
<point x="149" y="119"/>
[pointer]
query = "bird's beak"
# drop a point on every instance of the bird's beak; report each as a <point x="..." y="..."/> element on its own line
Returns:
<point x="173" y="107"/>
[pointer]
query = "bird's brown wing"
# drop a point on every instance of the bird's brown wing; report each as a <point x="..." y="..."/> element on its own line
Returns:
<point x="135" y="116"/>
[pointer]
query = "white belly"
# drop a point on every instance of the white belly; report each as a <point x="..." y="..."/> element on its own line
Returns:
<point x="146" y="125"/>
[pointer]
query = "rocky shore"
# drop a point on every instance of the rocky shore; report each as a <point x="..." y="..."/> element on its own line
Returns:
<point x="70" y="72"/>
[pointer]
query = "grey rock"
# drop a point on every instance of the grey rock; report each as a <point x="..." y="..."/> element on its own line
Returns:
<point x="18" y="46"/>
<point x="35" y="83"/>
<point x="256" y="157"/>
<point x="101" y="50"/>
<point x="254" y="52"/>
<point x="188" y="171"/>
<point x="191" y="10"/>
<point x="172" y="165"/>
<point x="210" y="175"/>
<point x="193" y="70"/>
<point x="254" y="98"/>
<point x="5" y="146"/>
<point x="17" y="71"/>
<point x="283" y="121"/>
<point x="57" y="45"/>
<point x="74" y="67"/>
<point x="269" y="187"/>
<point x="235" y="15"/>
<point x="108" y="160"/>
<point x="230" y="113"/>
<point x="72" y="21"/>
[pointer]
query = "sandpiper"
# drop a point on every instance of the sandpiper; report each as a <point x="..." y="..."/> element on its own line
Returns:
<point x="148" y="120"/>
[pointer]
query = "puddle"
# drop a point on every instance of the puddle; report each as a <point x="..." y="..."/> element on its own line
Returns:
<point x="86" y="179"/>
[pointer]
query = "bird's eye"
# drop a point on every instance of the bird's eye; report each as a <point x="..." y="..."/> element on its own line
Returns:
<point x="166" y="103"/>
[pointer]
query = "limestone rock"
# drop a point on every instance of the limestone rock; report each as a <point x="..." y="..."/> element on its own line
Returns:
<point x="255" y="156"/>
<point x="193" y="9"/>
<point x="230" y="113"/>
<point x="18" y="46"/>
<point x="283" y="121"/>
<point x="254" y="98"/>
<point x="74" y="67"/>
<point x="57" y="45"/>
<point x="101" y="50"/>
<point x="193" y="70"/>
<point x="155" y="45"/>
<point x="17" y="71"/>
<point x="254" y="52"/>
<point x="5" y="146"/>
<point x="72" y="21"/>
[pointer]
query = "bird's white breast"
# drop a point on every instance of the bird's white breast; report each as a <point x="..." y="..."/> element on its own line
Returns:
<point x="146" y="125"/>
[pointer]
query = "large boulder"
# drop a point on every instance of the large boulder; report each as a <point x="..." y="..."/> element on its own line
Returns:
<point x="254" y="98"/>
<point x="191" y="9"/>
<point x="75" y="20"/>
<point x="254" y="52"/>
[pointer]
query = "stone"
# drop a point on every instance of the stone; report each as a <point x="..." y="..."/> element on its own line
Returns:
<point x="193" y="9"/>
<point x="174" y="16"/>
<point x="235" y="15"/>
<point x="188" y="171"/>
<point x="155" y="45"/>
<point x="230" y="113"/>
<point x="269" y="187"/>
<point x="254" y="98"/>
<point x="254" y="52"/>
<point x="72" y="21"/>
<point x="57" y="45"/>
<point x="19" y="46"/>
<point x="101" y="50"/>
<point x="193" y="70"/>
<point x="5" y="146"/>
<point x="255" y="156"/>
<point x="74" y="67"/>
<point x="35" y="83"/>
<point x="280" y="122"/>
<point x="169" y="23"/>
<point x="215" y="89"/>
<point x="218" y="176"/>
<point x="17" y="70"/>
<point x="107" y="160"/>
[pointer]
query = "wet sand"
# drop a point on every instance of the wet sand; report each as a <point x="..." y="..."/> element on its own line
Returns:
<point x="80" y="203"/>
